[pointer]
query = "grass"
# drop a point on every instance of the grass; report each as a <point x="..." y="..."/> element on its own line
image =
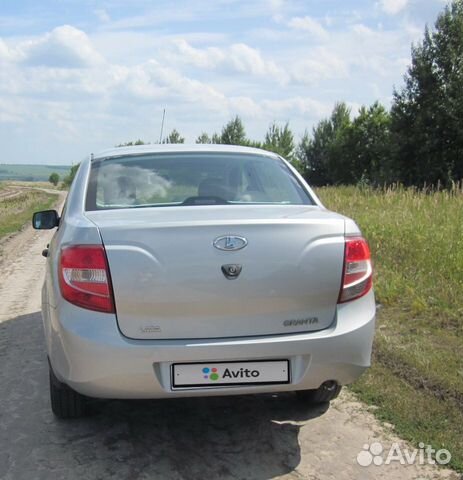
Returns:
<point x="416" y="238"/>
<point x="38" y="184"/>
<point x="18" y="210"/>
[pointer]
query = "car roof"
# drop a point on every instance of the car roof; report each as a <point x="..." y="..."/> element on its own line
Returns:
<point x="178" y="147"/>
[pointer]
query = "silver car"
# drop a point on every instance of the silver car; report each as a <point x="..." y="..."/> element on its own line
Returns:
<point x="200" y="270"/>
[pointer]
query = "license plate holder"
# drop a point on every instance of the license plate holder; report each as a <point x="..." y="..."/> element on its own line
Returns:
<point x="230" y="373"/>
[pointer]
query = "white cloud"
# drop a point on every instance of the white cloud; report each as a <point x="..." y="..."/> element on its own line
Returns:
<point x="237" y="57"/>
<point x="208" y="57"/>
<point x="5" y="53"/>
<point x="179" y="86"/>
<point x="310" y="25"/>
<point x="63" y="47"/>
<point x="299" y="105"/>
<point x="377" y="51"/>
<point x="246" y="59"/>
<point x="159" y="16"/>
<point x="107" y="84"/>
<point x="362" y="30"/>
<point x="276" y="5"/>
<point x="276" y="8"/>
<point x="320" y="63"/>
<point x="11" y="111"/>
<point x="392" y="7"/>
<point x="102" y="15"/>
<point x="244" y="106"/>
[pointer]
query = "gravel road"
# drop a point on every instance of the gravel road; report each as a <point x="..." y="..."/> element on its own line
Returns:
<point x="247" y="437"/>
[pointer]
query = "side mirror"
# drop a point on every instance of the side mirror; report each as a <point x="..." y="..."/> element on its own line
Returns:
<point x="45" y="220"/>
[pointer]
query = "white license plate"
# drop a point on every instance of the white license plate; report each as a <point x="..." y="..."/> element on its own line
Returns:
<point x="212" y="374"/>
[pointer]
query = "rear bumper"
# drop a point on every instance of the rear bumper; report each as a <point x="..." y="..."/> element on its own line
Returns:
<point x="88" y="353"/>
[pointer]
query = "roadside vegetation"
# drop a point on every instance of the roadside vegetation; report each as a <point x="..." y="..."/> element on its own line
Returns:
<point x="416" y="239"/>
<point x="26" y="184"/>
<point x="54" y="179"/>
<point x="18" y="204"/>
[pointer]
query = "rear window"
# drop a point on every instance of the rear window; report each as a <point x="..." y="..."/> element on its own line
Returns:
<point x="172" y="179"/>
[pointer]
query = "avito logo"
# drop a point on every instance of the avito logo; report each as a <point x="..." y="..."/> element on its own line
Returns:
<point x="212" y="373"/>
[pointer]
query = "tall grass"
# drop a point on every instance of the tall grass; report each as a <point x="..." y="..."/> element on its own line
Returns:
<point x="416" y="238"/>
<point x="16" y="211"/>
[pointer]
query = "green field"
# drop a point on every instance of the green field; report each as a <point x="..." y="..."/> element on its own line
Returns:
<point x="416" y="240"/>
<point x="17" y="210"/>
<point x="31" y="173"/>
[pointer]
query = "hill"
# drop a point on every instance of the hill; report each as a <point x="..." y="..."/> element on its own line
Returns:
<point x="31" y="173"/>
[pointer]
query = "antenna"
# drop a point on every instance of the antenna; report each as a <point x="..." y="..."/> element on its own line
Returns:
<point x="162" y="125"/>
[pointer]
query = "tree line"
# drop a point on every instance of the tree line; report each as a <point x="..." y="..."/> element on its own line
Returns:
<point x="277" y="139"/>
<point x="418" y="141"/>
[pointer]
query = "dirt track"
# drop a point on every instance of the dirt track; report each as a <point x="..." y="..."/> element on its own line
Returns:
<point x="253" y="437"/>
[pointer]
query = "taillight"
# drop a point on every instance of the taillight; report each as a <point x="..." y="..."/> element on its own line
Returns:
<point x="84" y="277"/>
<point x="357" y="272"/>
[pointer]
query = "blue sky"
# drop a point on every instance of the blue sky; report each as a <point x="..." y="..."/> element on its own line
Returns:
<point x="78" y="76"/>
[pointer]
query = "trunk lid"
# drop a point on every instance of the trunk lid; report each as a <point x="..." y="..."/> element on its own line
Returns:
<point x="168" y="281"/>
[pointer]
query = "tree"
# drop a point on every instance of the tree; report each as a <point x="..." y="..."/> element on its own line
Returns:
<point x="130" y="144"/>
<point x="233" y="133"/>
<point x="203" y="138"/>
<point x="338" y="166"/>
<point x="280" y="140"/>
<point x="254" y="143"/>
<point x="216" y="139"/>
<point x="313" y="152"/>
<point x="54" y="178"/>
<point x="323" y="155"/>
<point x="67" y="180"/>
<point x="427" y="113"/>
<point x="368" y="149"/>
<point x="174" y="137"/>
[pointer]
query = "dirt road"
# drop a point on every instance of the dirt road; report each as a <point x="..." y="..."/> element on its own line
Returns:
<point x="254" y="437"/>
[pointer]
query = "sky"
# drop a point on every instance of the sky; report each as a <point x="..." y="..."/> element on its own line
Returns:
<point x="80" y="76"/>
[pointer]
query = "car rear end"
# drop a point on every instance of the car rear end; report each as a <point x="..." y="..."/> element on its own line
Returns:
<point x="139" y="301"/>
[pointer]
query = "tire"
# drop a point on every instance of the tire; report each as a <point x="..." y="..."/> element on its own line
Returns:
<point x="325" y="393"/>
<point x="65" y="402"/>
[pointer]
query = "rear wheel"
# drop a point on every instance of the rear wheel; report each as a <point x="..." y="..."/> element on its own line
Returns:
<point x="65" y="402"/>
<point x="325" y="393"/>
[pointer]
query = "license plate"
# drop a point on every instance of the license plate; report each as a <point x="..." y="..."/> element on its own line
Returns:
<point x="213" y="374"/>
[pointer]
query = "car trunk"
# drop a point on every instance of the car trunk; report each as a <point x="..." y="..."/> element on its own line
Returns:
<point x="168" y="281"/>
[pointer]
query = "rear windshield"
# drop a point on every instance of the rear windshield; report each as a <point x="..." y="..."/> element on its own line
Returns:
<point x="172" y="179"/>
